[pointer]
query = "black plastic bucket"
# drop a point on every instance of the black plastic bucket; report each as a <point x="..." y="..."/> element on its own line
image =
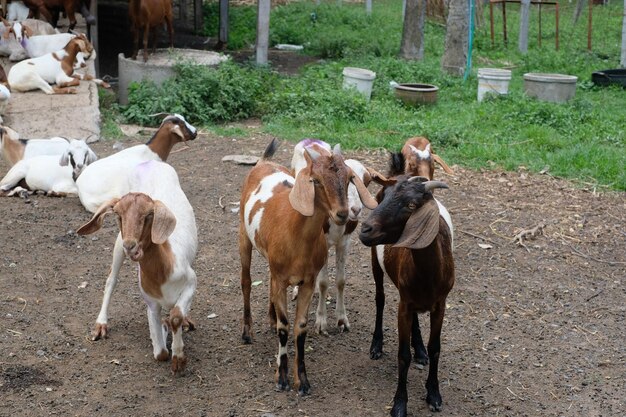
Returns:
<point x="609" y="77"/>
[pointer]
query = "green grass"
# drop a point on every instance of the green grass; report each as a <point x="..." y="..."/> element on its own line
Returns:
<point x="109" y="115"/>
<point x="583" y="140"/>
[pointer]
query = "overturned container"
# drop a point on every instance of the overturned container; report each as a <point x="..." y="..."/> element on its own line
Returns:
<point x="359" y="78"/>
<point x="494" y="81"/>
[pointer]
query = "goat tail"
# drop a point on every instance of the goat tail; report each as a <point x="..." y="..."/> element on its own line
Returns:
<point x="270" y="150"/>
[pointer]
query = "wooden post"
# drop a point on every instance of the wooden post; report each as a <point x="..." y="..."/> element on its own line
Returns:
<point x="589" y="25"/>
<point x="557" y="25"/>
<point x="198" y="18"/>
<point x="262" y="31"/>
<point x="93" y="9"/>
<point x="368" y="7"/>
<point x="223" y="32"/>
<point x="506" y="40"/>
<point x="491" y="21"/>
<point x="523" y="26"/>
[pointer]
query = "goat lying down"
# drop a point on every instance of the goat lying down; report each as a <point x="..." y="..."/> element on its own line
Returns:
<point x="158" y="231"/>
<point x="54" y="68"/>
<point x="15" y="149"/>
<point x="53" y="174"/>
<point x="417" y="256"/>
<point x="336" y="236"/>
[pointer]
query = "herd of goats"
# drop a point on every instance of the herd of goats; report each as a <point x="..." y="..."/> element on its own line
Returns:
<point x="291" y="215"/>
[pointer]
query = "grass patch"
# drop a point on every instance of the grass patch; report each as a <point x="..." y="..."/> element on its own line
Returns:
<point x="110" y="116"/>
<point x="583" y="139"/>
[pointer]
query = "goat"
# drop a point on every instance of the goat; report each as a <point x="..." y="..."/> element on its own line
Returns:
<point x="53" y="174"/>
<point x="336" y="235"/>
<point x="15" y="149"/>
<point x="17" y="10"/>
<point x="418" y="158"/>
<point x="49" y="9"/>
<point x="38" y="27"/>
<point x="148" y="15"/>
<point x="108" y="178"/>
<point x="158" y="231"/>
<point x="283" y="218"/>
<point x="56" y="67"/>
<point x="40" y="45"/>
<point x="5" y="92"/>
<point x="30" y="39"/>
<point x="10" y="41"/>
<point x="417" y="256"/>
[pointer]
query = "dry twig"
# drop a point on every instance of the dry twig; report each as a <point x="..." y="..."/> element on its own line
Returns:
<point x="518" y="238"/>
<point x="478" y="237"/>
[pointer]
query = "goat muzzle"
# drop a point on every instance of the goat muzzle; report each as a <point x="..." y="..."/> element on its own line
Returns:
<point x="133" y="250"/>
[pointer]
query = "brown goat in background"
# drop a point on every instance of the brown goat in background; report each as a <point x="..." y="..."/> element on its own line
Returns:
<point x="148" y="15"/>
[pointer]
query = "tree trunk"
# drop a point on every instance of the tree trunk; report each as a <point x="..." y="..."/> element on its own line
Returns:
<point x="623" y="60"/>
<point x="455" y="54"/>
<point x="523" y="26"/>
<point x="412" y="46"/>
<point x="262" y="31"/>
<point x="579" y="9"/>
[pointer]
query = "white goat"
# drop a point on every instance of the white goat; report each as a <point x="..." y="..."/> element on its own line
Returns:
<point x="40" y="45"/>
<point x="158" y="230"/>
<point x="11" y="41"/>
<point x="49" y="173"/>
<point x="336" y="235"/>
<point x="16" y="10"/>
<point x="15" y="149"/>
<point x="56" y="67"/>
<point x="5" y="92"/>
<point x="108" y="177"/>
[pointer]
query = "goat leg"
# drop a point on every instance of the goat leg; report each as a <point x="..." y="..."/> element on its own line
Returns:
<point x="278" y="297"/>
<point x="405" y="318"/>
<point x="245" y="256"/>
<point x="433" y="397"/>
<point x="300" y="331"/>
<point x="376" y="348"/>
<point x="421" y="355"/>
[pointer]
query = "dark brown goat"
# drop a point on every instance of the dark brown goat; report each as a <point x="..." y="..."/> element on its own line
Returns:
<point x="417" y="256"/>
<point x="49" y="9"/>
<point x="149" y="15"/>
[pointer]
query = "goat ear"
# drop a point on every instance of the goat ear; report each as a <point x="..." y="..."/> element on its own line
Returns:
<point x="95" y="223"/>
<point x="365" y="196"/>
<point x="91" y="157"/>
<point x="302" y="195"/>
<point x="175" y="129"/>
<point x="65" y="158"/>
<point x="421" y="228"/>
<point x="163" y="223"/>
<point x="379" y="178"/>
<point x="27" y="31"/>
<point x="442" y="163"/>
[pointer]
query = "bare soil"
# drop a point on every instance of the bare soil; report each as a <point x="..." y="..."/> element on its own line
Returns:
<point x="532" y="330"/>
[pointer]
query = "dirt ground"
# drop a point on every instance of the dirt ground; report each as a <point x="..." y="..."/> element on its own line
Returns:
<point x="533" y="330"/>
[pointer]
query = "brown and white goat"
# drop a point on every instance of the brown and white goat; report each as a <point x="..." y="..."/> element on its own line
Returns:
<point x="55" y="67"/>
<point x="418" y="158"/>
<point x="158" y="231"/>
<point x="337" y="236"/>
<point x="417" y="256"/>
<point x="107" y="178"/>
<point x="149" y="15"/>
<point x="283" y="218"/>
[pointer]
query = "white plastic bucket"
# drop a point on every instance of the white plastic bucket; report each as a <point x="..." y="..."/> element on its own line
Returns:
<point x="359" y="78"/>
<point x="493" y="81"/>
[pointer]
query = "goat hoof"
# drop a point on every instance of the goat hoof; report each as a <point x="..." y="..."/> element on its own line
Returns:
<point x="321" y="326"/>
<point x="178" y="365"/>
<point x="282" y="386"/>
<point x="344" y="325"/>
<point x="399" y="408"/>
<point x="434" y="401"/>
<point x="100" y="332"/>
<point x="162" y="356"/>
<point x="188" y="324"/>
<point x="376" y="349"/>
<point x="304" y="389"/>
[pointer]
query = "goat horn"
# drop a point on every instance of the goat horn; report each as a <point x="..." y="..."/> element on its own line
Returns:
<point x="418" y="179"/>
<point x="431" y="185"/>
<point x="312" y="153"/>
<point x="337" y="149"/>
<point x="162" y="115"/>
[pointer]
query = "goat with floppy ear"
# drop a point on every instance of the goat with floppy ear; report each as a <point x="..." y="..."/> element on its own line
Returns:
<point x="68" y="157"/>
<point x="415" y="250"/>
<point x="417" y="158"/>
<point x="283" y="218"/>
<point x="158" y="231"/>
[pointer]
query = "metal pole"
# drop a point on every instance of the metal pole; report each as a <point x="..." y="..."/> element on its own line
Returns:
<point x="262" y="31"/>
<point x="506" y="40"/>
